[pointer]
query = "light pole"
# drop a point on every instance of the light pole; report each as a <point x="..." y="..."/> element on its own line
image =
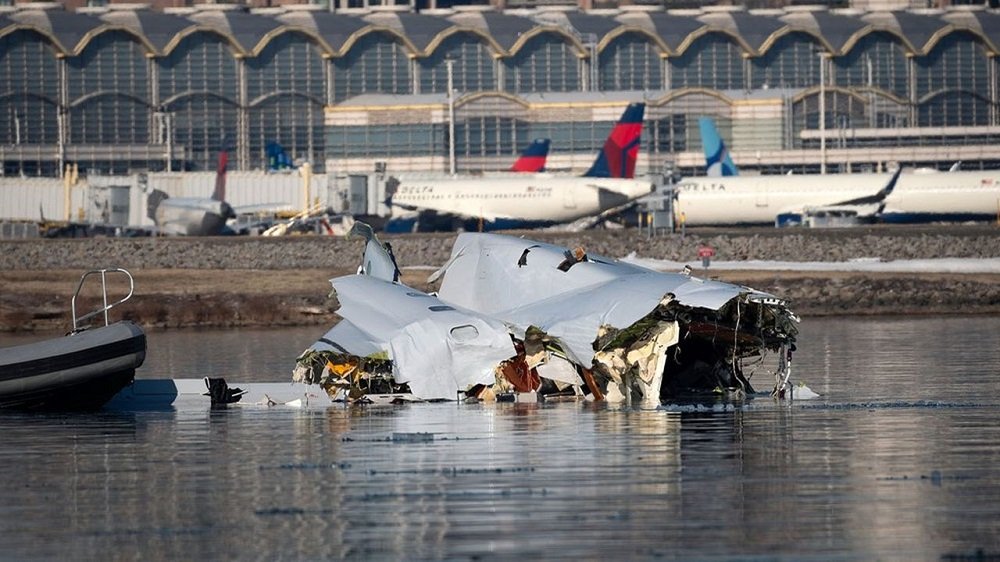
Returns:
<point x="450" y="65"/>
<point x="822" y="113"/>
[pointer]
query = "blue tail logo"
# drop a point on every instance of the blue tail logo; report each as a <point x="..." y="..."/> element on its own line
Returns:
<point x="717" y="159"/>
<point x="621" y="149"/>
<point x="277" y="158"/>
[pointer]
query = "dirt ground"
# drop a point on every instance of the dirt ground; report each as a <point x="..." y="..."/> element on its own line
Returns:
<point x="40" y="300"/>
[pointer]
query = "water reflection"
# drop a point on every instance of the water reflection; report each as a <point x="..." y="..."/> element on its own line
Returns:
<point x="896" y="461"/>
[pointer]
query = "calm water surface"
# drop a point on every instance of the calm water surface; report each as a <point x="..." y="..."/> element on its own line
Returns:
<point x="899" y="460"/>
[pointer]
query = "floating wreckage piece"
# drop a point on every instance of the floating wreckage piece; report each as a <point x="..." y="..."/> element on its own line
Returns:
<point x="637" y="334"/>
<point x="516" y="319"/>
<point x="394" y="339"/>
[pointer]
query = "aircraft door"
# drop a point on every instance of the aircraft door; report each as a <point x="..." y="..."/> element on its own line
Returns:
<point x="569" y="197"/>
<point x="761" y="196"/>
<point x="357" y="195"/>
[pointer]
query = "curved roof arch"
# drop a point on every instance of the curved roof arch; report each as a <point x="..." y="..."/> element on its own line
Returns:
<point x="623" y="30"/>
<point x="30" y="95"/>
<point x="418" y="29"/>
<point x="333" y="29"/>
<point x="944" y="93"/>
<point x="853" y="41"/>
<point x="775" y="37"/>
<point x="835" y="29"/>
<point x="752" y="30"/>
<point x="814" y="91"/>
<point x="403" y="40"/>
<point x="684" y="92"/>
<point x="67" y="29"/>
<point x="93" y="34"/>
<point x="82" y="100"/>
<point x="156" y="28"/>
<point x="310" y="35"/>
<point x="670" y="29"/>
<point x="565" y="36"/>
<point x="693" y="38"/>
<point x="504" y="29"/>
<point x="47" y="36"/>
<point x="246" y="30"/>
<point x="176" y="41"/>
<point x="261" y="100"/>
<point x="486" y="39"/>
<point x="952" y="29"/>
<point x="477" y="96"/>
<point x="194" y="94"/>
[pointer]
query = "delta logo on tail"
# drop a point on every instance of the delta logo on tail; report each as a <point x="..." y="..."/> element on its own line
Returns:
<point x="717" y="159"/>
<point x="533" y="157"/>
<point x="621" y="150"/>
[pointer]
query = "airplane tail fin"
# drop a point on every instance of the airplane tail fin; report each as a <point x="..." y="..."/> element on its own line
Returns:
<point x="617" y="158"/>
<point x="718" y="162"/>
<point x="220" y="177"/>
<point x="277" y="158"/>
<point x="378" y="260"/>
<point x="533" y="157"/>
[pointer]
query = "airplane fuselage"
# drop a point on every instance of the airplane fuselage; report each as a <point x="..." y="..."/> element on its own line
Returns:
<point x="187" y="216"/>
<point x="760" y="199"/>
<point x="917" y="197"/>
<point x="536" y="199"/>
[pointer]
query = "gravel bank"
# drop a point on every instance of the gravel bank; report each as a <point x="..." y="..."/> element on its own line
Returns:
<point x="235" y="282"/>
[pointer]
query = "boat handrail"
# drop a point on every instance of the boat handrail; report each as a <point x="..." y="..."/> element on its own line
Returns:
<point x="104" y="293"/>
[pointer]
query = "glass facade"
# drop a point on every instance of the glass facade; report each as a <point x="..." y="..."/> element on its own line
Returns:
<point x="546" y="63"/>
<point x="376" y="63"/>
<point x="877" y="60"/>
<point x="630" y="62"/>
<point x="713" y="61"/>
<point x="120" y="99"/>
<point x="472" y="69"/>
<point x="791" y="62"/>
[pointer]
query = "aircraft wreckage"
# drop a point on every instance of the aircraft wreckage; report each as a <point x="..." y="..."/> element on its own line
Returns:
<point x="515" y="317"/>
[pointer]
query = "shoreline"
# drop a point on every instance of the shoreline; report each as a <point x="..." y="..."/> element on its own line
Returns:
<point x="255" y="282"/>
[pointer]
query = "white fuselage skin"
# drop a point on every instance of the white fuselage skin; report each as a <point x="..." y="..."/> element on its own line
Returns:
<point x="962" y="193"/>
<point x="522" y="197"/>
<point x="186" y="216"/>
<point x="760" y="199"/>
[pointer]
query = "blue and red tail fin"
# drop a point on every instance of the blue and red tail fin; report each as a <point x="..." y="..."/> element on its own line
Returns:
<point x="617" y="157"/>
<point x="220" y="177"/>
<point x="533" y="157"/>
<point x="718" y="162"/>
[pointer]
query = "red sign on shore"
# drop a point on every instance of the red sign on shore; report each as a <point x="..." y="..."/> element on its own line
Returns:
<point x="706" y="252"/>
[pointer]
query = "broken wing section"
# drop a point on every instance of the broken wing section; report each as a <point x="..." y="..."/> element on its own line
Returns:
<point x="643" y="334"/>
<point x="431" y="347"/>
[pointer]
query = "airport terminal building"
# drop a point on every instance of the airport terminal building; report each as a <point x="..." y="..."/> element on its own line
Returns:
<point x="125" y="88"/>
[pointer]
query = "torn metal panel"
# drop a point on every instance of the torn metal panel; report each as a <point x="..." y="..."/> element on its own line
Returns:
<point x="435" y="348"/>
<point x="630" y="325"/>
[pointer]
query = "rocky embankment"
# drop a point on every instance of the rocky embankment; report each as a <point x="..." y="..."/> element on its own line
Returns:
<point x="246" y="281"/>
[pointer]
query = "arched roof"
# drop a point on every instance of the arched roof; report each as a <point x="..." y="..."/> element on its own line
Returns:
<point x="503" y="28"/>
<point x="67" y="29"/>
<point x="334" y="30"/>
<point x="157" y="28"/>
<point x="672" y="30"/>
<point x="419" y="29"/>
<point x="834" y="30"/>
<point x="752" y="30"/>
<point x="248" y="31"/>
<point x="755" y="32"/>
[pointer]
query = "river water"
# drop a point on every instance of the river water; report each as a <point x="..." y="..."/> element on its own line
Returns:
<point x="899" y="459"/>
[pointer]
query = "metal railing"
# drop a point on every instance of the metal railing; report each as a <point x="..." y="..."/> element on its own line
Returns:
<point x="104" y="295"/>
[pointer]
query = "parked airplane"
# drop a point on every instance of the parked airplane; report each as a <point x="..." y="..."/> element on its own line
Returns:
<point x="530" y="200"/>
<point x="718" y="162"/>
<point x="193" y="216"/>
<point x="958" y="195"/>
